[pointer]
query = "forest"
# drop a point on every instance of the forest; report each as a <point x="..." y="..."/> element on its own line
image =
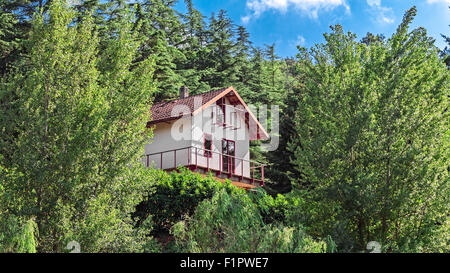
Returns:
<point x="364" y="134"/>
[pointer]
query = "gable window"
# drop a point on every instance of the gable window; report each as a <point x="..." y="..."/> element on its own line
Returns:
<point x="235" y="120"/>
<point x="221" y="113"/>
<point x="207" y="145"/>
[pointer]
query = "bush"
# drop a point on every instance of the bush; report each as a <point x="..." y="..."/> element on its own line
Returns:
<point x="205" y="215"/>
<point x="232" y="223"/>
<point x="176" y="195"/>
<point x="17" y="235"/>
<point x="275" y="209"/>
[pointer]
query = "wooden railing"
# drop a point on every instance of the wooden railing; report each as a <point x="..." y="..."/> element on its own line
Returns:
<point x="195" y="157"/>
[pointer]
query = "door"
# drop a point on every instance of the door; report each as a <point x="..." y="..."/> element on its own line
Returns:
<point x="228" y="160"/>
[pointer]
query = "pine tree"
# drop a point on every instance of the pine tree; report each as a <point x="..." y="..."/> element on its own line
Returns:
<point x="192" y="68"/>
<point x="276" y="79"/>
<point x="370" y="38"/>
<point x="242" y="61"/>
<point x="194" y="27"/>
<point x="221" y="50"/>
<point x="159" y="29"/>
<point x="9" y="37"/>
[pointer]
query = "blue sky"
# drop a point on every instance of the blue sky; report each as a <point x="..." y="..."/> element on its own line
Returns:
<point x="290" y="22"/>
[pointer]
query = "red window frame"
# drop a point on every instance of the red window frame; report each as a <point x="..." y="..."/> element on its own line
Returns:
<point x="206" y="152"/>
<point x="231" y="160"/>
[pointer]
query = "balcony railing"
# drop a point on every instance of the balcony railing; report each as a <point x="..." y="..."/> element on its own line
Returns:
<point x="195" y="158"/>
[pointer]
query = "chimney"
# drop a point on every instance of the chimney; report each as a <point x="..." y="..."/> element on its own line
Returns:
<point x="184" y="92"/>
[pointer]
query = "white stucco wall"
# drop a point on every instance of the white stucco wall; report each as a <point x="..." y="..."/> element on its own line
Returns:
<point x="168" y="136"/>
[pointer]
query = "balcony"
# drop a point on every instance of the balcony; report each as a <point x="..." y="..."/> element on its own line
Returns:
<point x="205" y="161"/>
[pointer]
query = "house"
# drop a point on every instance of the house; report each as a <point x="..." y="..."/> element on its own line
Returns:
<point x="209" y="132"/>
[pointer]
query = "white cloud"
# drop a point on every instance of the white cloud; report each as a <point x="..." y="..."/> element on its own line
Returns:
<point x="300" y="40"/>
<point x="374" y="3"/>
<point x="309" y="7"/>
<point x="383" y="15"/>
<point x="245" y="19"/>
<point x="447" y="2"/>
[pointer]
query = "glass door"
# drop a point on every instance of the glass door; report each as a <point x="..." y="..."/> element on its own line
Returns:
<point x="228" y="153"/>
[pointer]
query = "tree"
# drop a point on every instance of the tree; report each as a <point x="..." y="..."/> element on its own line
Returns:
<point x="15" y="18"/>
<point x="9" y="37"/>
<point x="194" y="26"/>
<point x="445" y="54"/>
<point x="370" y="38"/>
<point x="17" y="234"/>
<point x="371" y="139"/>
<point x="281" y="171"/>
<point x="159" y="29"/>
<point x="192" y="68"/>
<point x="80" y="133"/>
<point x="242" y="60"/>
<point x="221" y="50"/>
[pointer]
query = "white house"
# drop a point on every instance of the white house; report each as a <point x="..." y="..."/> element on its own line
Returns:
<point x="209" y="132"/>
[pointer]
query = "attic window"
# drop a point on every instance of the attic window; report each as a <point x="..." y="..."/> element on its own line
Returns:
<point x="220" y="117"/>
<point x="235" y="120"/>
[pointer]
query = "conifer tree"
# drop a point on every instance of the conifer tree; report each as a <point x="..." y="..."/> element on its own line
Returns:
<point x="221" y="50"/>
<point x="242" y="61"/>
<point x="9" y="37"/>
<point x="193" y="68"/>
<point x="275" y="82"/>
<point x="159" y="30"/>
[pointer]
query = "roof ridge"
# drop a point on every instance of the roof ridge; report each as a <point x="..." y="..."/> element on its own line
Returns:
<point x="200" y="94"/>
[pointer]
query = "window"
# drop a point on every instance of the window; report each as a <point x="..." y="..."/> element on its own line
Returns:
<point x="207" y="145"/>
<point x="228" y="160"/>
<point x="220" y="117"/>
<point x="235" y="121"/>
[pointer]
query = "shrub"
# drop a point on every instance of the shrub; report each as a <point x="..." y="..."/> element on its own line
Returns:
<point x="275" y="209"/>
<point x="175" y="195"/>
<point x="232" y="223"/>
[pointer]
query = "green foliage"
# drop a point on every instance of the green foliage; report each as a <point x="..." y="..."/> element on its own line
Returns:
<point x="232" y="223"/>
<point x="372" y="139"/>
<point x="107" y="224"/>
<point x="9" y="36"/>
<point x="159" y="30"/>
<point x="205" y="215"/>
<point x="17" y="236"/>
<point x="275" y="210"/>
<point x="176" y="195"/>
<point x="16" y="233"/>
<point x="80" y="132"/>
<point x="445" y="54"/>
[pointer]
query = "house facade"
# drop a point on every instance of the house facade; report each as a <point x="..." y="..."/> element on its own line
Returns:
<point x="209" y="132"/>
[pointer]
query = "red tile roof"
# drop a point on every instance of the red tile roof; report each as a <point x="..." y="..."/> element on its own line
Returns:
<point x="162" y="111"/>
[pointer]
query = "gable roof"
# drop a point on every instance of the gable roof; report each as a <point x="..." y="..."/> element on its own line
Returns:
<point x="162" y="111"/>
